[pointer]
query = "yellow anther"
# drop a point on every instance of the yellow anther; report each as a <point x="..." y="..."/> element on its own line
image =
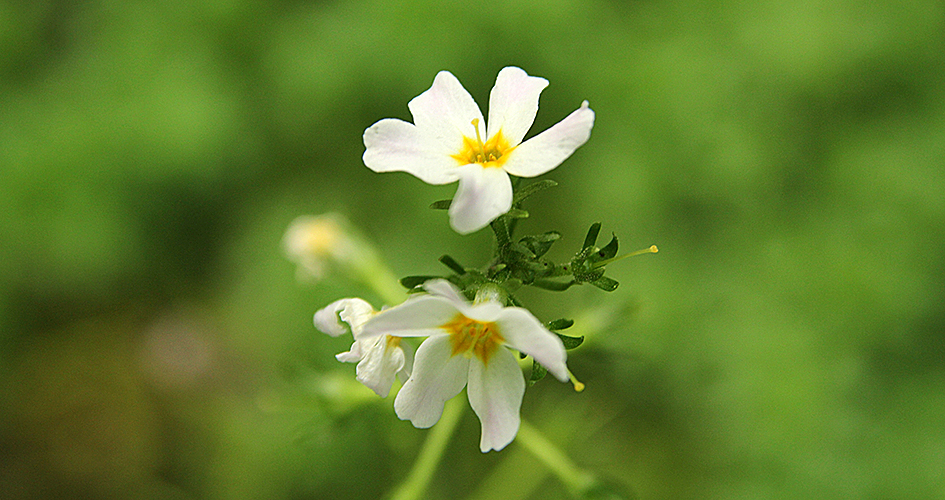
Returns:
<point x="482" y="147"/>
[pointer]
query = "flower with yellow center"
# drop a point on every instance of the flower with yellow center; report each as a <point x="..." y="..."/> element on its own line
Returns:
<point x="467" y="346"/>
<point x="445" y="145"/>
<point x="380" y="358"/>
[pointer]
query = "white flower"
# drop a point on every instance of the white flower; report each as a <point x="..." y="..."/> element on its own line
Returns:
<point x="379" y="358"/>
<point x="444" y="144"/>
<point x="467" y="347"/>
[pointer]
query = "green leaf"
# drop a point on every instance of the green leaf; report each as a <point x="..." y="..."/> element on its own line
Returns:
<point x="409" y="282"/>
<point x="591" y="237"/>
<point x="606" y="284"/>
<point x="555" y="286"/>
<point x="517" y="213"/>
<point x="452" y="264"/>
<point x="560" y="324"/>
<point x="441" y="205"/>
<point x="531" y="189"/>
<point x="570" y="342"/>
<point x="538" y="373"/>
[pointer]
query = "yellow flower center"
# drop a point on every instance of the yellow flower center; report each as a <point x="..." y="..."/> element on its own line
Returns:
<point x="470" y="337"/>
<point x="492" y="153"/>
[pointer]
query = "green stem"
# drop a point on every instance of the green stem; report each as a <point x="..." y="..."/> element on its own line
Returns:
<point x="574" y="478"/>
<point x="430" y="455"/>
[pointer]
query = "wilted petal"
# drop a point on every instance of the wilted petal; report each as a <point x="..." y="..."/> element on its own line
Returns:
<point x="495" y="393"/>
<point x="393" y="145"/>
<point x="437" y="377"/>
<point x="548" y="149"/>
<point x="444" y="113"/>
<point x="513" y="103"/>
<point x="483" y="195"/>
<point x="523" y="332"/>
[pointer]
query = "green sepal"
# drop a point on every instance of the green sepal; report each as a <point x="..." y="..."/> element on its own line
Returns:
<point x="606" y="284"/>
<point x="409" y="282"/>
<point x="538" y="373"/>
<point x="555" y="286"/>
<point x="540" y="244"/>
<point x="452" y="264"/>
<point x="570" y="342"/>
<point x="591" y="237"/>
<point x="560" y="324"/>
<point x="441" y="205"/>
<point x="609" y="251"/>
<point x="531" y="189"/>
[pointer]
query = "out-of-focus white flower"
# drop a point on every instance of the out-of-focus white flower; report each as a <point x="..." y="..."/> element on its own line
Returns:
<point x="467" y="348"/>
<point x="313" y="242"/>
<point x="380" y="358"/>
<point x="445" y="143"/>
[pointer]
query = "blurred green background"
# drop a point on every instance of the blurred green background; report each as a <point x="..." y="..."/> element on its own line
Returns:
<point x="788" y="158"/>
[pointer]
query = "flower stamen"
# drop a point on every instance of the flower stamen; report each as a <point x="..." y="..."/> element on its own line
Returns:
<point x="470" y="337"/>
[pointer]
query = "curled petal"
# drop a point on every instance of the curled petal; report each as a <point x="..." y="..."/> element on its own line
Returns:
<point x="513" y="103"/>
<point x="444" y="113"/>
<point x="548" y="149"/>
<point x="393" y="145"/>
<point x="523" y="332"/>
<point x="380" y="365"/>
<point x="437" y="377"/>
<point x="354" y="312"/>
<point x="484" y="193"/>
<point x="495" y="393"/>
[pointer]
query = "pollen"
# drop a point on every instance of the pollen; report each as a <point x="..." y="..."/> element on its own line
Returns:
<point x="492" y="153"/>
<point x="470" y="337"/>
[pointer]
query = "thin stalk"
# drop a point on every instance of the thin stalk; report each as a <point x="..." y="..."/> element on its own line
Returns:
<point x="415" y="485"/>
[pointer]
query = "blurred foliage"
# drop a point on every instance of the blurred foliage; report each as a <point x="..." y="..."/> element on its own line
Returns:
<point x="787" y="157"/>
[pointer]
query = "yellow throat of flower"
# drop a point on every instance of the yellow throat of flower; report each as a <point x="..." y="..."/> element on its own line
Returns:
<point x="492" y="153"/>
<point x="470" y="337"/>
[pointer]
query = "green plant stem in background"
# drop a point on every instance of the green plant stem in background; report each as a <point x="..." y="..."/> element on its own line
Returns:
<point x="430" y="455"/>
<point x="574" y="478"/>
<point x="381" y="279"/>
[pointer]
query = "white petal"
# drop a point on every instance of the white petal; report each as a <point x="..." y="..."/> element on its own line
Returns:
<point x="513" y="103"/>
<point x="444" y="113"/>
<point x="484" y="193"/>
<point x="393" y="145"/>
<point x="417" y="317"/>
<point x="353" y="311"/>
<point x="437" y="377"/>
<point x="495" y="394"/>
<point x="444" y="289"/>
<point x="379" y="366"/>
<point x="548" y="149"/>
<point x="522" y="331"/>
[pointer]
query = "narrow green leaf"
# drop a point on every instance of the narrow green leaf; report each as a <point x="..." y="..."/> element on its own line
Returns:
<point x="591" y="237"/>
<point x="441" y="205"/>
<point x="452" y="264"/>
<point x="555" y="286"/>
<point x="570" y="342"/>
<point x="531" y="189"/>
<point x="560" y="324"/>
<point x="517" y="213"/>
<point x="606" y="284"/>
<point x="414" y="281"/>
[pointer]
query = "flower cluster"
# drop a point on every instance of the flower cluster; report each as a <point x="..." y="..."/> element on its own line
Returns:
<point x="474" y="330"/>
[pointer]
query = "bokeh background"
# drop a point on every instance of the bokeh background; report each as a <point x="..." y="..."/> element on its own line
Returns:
<point x="788" y="157"/>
